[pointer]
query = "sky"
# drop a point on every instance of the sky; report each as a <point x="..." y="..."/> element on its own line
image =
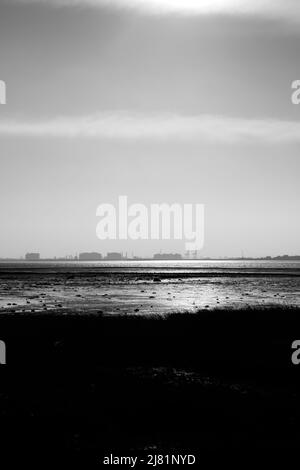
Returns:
<point x="165" y="101"/>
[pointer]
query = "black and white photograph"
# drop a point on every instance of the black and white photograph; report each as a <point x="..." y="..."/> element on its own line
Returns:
<point x="149" y="231"/>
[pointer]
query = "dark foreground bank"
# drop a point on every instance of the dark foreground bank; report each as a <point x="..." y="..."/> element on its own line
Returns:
<point x="86" y="387"/>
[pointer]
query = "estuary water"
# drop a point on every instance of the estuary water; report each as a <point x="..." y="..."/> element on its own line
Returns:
<point x="146" y="287"/>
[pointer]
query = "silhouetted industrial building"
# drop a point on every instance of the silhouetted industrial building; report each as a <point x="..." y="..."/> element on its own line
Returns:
<point x="32" y="257"/>
<point x="114" y="256"/>
<point x="167" y="256"/>
<point x="90" y="256"/>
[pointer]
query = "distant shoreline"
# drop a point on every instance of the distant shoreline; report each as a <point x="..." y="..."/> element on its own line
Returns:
<point x="277" y="258"/>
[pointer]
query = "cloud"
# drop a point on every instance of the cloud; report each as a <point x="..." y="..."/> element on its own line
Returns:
<point x="270" y="9"/>
<point x="157" y="127"/>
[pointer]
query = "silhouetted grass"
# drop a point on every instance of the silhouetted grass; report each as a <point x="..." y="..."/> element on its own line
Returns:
<point x="203" y="381"/>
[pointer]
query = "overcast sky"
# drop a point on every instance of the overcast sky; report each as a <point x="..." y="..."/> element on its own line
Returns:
<point x="183" y="101"/>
